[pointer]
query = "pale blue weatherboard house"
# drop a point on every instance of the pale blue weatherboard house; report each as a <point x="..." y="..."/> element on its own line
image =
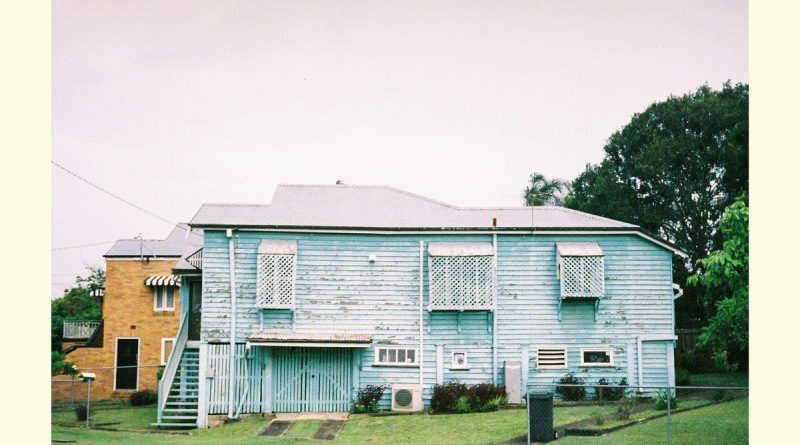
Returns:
<point x="330" y="288"/>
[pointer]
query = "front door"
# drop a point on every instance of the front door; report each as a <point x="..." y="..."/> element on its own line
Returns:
<point x="195" y="309"/>
<point x="126" y="374"/>
<point x="311" y="379"/>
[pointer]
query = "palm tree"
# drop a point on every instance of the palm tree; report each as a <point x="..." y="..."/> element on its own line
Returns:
<point x="543" y="191"/>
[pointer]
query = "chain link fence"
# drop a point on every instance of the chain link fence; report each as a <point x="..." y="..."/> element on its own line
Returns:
<point x="658" y="414"/>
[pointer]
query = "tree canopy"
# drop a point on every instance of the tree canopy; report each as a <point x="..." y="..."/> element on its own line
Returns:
<point x="76" y="304"/>
<point x="543" y="191"/>
<point x="673" y="169"/>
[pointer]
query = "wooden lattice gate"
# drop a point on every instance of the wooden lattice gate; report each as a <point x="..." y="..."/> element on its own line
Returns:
<point x="311" y="379"/>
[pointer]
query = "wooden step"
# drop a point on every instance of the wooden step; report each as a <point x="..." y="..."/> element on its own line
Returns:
<point x="179" y="418"/>
<point x="180" y="410"/>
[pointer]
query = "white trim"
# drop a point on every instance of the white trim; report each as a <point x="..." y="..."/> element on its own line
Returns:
<point x="165" y="308"/>
<point x="297" y="344"/>
<point x="137" y="258"/>
<point x="138" y="357"/>
<point x="453" y="364"/>
<point x="608" y="350"/>
<point x="164" y="340"/>
<point x="550" y="367"/>
<point x="472" y="232"/>
<point x="414" y="364"/>
<point x="460" y="249"/>
<point x="658" y="337"/>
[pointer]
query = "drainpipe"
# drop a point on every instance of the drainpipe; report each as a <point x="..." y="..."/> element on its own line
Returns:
<point x="421" y="343"/>
<point x="494" y="311"/>
<point x="232" y="355"/>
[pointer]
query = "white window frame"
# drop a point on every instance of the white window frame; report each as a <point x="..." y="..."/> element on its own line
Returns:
<point x="608" y="350"/>
<point x="164" y="341"/>
<point x="138" y="360"/>
<point x="453" y="364"/>
<point x="164" y="307"/>
<point x="551" y="367"/>
<point x="414" y="364"/>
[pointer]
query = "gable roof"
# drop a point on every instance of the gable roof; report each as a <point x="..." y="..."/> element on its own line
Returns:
<point x="179" y="240"/>
<point x="377" y="207"/>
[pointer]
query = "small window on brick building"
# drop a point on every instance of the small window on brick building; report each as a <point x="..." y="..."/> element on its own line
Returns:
<point x="163" y="298"/>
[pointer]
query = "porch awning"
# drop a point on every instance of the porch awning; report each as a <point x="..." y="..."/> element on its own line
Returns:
<point x="163" y="280"/>
<point x="310" y="339"/>
<point x="579" y="249"/>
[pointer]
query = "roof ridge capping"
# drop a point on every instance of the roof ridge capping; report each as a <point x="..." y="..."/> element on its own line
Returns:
<point x="373" y="186"/>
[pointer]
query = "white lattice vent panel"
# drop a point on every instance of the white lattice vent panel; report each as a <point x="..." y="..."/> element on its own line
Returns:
<point x="275" y="281"/>
<point x="582" y="276"/>
<point x="461" y="282"/>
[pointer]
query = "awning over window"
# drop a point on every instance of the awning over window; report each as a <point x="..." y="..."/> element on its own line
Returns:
<point x="579" y="249"/>
<point x="310" y="339"/>
<point x="460" y="249"/>
<point x="163" y="280"/>
<point x="271" y="247"/>
<point x="97" y="292"/>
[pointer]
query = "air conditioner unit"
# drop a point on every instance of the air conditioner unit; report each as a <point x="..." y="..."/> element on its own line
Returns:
<point x="406" y="398"/>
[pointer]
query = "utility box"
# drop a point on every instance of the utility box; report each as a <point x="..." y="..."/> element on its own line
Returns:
<point x="512" y="379"/>
<point x="540" y="417"/>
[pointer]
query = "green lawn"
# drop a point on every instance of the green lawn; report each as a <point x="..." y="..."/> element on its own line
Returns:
<point x="726" y="423"/>
<point x="122" y="418"/>
<point x="650" y="412"/>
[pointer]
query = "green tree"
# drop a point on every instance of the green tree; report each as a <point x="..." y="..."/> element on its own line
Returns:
<point x="76" y="304"/>
<point x="542" y="191"/>
<point x="673" y="169"/>
<point x="727" y="271"/>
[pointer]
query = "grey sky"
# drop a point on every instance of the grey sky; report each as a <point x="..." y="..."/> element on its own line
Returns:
<point x="172" y="104"/>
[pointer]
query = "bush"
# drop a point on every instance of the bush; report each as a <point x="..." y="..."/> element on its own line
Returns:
<point x="610" y="393"/>
<point x="368" y="397"/>
<point x="445" y="397"/>
<point x="493" y="404"/>
<point x="721" y="363"/>
<point x="482" y="394"/>
<point x="625" y="408"/>
<point x="661" y="400"/>
<point x="571" y="393"/>
<point x="598" y="418"/>
<point x="145" y="397"/>
<point x="462" y="405"/>
<point x="80" y="413"/>
<point x="682" y="377"/>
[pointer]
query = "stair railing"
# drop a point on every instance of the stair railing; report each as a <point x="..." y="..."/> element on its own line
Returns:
<point x="170" y="370"/>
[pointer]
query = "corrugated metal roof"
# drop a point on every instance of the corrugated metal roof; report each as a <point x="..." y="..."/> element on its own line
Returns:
<point x="180" y="240"/>
<point x="316" y="337"/>
<point x="383" y="207"/>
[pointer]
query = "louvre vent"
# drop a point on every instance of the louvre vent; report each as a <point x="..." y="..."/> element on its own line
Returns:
<point x="551" y="358"/>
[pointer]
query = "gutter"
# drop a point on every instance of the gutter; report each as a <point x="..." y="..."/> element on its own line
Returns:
<point x="232" y="354"/>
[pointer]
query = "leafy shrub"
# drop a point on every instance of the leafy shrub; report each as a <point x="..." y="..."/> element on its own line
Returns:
<point x="445" y="397"/>
<point x="481" y="394"/>
<point x="610" y="392"/>
<point x="598" y="418"/>
<point x="682" y="377"/>
<point x="571" y="393"/>
<point x="625" y="408"/>
<point x="145" y="397"/>
<point x="721" y="363"/>
<point x="462" y="405"/>
<point x="661" y="400"/>
<point x="80" y="413"/>
<point x="368" y="397"/>
<point x="493" y="404"/>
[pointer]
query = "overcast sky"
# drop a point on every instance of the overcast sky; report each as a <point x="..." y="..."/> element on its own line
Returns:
<point x="172" y="104"/>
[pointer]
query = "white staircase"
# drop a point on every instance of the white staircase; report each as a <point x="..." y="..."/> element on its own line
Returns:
<point x="181" y="402"/>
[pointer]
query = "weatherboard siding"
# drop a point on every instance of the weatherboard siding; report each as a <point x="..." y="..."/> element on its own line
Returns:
<point x="338" y="289"/>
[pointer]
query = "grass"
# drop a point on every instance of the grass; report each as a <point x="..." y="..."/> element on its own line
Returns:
<point x="725" y="423"/>
<point x="650" y="412"/>
<point x="302" y="428"/>
<point x="128" y="417"/>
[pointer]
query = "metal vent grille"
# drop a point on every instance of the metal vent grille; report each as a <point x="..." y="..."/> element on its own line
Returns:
<point x="582" y="276"/>
<point x="551" y="358"/>
<point x="461" y="282"/>
<point x="403" y="398"/>
<point x="275" y="281"/>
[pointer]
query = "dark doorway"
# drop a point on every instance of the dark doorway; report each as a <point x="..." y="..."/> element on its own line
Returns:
<point x="195" y="309"/>
<point x="127" y="371"/>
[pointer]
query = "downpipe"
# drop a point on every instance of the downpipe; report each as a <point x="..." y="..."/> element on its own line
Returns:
<point x="232" y="354"/>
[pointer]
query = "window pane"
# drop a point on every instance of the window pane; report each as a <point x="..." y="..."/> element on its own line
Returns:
<point x="159" y="297"/>
<point x="170" y="298"/>
<point x="410" y="356"/>
<point x="596" y="357"/>
<point x="381" y="355"/>
<point x="401" y="356"/>
<point x="392" y="356"/>
<point x="460" y="358"/>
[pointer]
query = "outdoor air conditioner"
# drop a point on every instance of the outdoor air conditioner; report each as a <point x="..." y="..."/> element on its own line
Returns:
<point x="406" y="398"/>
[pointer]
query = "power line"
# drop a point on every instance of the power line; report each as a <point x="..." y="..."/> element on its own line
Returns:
<point x="114" y="195"/>
<point x="82" y="245"/>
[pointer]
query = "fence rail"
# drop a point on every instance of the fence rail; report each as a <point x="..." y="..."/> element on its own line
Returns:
<point x="80" y="330"/>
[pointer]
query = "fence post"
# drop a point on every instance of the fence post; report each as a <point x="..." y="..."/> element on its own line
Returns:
<point x="88" y="400"/>
<point x="668" y="393"/>
<point x="528" y="411"/>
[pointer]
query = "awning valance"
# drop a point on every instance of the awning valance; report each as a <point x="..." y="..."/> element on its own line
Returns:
<point x="97" y="292"/>
<point x="310" y="339"/>
<point x="271" y="247"/>
<point x="163" y="280"/>
<point x="579" y="249"/>
<point x="460" y="249"/>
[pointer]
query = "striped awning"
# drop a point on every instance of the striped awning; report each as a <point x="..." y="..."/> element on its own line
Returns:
<point x="163" y="280"/>
<point x="97" y="292"/>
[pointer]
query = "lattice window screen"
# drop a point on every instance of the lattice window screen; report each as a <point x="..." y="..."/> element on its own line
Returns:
<point x="461" y="282"/>
<point x="275" y="281"/>
<point x="582" y="276"/>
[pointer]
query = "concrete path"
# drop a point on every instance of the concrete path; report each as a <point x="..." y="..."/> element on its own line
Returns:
<point x="312" y="416"/>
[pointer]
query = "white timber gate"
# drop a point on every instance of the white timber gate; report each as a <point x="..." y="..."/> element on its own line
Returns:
<point x="311" y="379"/>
